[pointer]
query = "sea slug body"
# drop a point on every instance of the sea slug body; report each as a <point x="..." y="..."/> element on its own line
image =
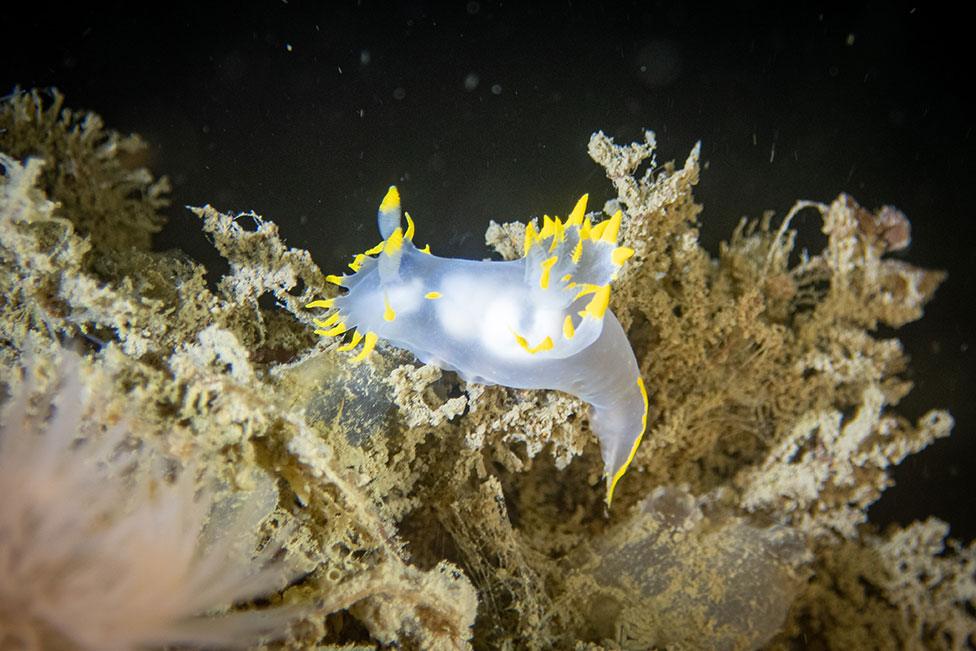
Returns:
<point x="539" y="322"/>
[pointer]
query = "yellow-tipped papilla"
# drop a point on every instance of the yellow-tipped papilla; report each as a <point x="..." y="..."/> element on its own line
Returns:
<point x="558" y="233"/>
<point x="329" y="321"/>
<point x="408" y="235"/>
<point x="597" y="233"/>
<point x="621" y="254"/>
<point x="576" y="217"/>
<point x="612" y="228"/>
<point x="338" y="329"/>
<point x="376" y="249"/>
<point x="586" y="229"/>
<point x="568" y="330"/>
<point x="322" y="302"/>
<point x="597" y="306"/>
<point x="369" y="342"/>
<point x="548" y="227"/>
<point x="530" y="237"/>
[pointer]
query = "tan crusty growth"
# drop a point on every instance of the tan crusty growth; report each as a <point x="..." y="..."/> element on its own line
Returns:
<point x="426" y="512"/>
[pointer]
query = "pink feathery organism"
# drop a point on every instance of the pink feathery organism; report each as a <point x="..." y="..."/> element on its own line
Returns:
<point x="100" y="548"/>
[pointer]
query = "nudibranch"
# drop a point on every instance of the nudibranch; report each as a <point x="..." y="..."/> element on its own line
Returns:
<point x="539" y="322"/>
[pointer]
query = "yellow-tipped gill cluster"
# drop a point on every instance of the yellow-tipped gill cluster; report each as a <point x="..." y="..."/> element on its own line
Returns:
<point x="571" y="259"/>
<point x="554" y="231"/>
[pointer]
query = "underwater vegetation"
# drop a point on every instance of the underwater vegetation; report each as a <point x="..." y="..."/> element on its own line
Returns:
<point x="393" y="503"/>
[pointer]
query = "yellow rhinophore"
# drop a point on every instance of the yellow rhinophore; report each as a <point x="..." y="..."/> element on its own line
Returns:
<point x="391" y="200"/>
<point x="395" y="242"/>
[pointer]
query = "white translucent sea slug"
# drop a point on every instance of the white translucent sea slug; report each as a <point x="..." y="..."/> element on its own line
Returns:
<point x="539" y="322"/>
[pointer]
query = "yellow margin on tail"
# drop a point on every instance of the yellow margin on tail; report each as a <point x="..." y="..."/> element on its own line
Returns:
<point x="633" y="450"/>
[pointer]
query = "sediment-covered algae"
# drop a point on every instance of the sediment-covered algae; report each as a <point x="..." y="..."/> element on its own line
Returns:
<point x="199" y="382"/>
<point x="468" y="505"/>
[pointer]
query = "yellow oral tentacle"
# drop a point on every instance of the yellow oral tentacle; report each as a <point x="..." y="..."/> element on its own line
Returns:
<point x="322" y="302"/>
<point x="356" y="338"/>
<point x="369" y="342"/>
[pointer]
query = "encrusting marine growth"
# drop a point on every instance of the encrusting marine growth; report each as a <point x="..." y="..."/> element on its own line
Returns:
<point x="416" y="509"/>
<point x="539" y="322"/>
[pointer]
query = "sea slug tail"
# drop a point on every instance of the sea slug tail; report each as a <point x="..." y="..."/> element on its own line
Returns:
<point x="620" y="428"/>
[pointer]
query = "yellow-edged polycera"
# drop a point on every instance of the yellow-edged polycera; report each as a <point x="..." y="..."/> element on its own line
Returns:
<point x="543" y="322"/>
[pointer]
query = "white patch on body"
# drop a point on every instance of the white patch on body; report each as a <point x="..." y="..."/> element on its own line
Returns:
<point x="405" y="298"/>
<point x="460" y="307"/>
<point x="498" y="328"/>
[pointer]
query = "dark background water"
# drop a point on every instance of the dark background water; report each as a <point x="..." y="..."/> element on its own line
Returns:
<point x="306" y="112"/>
